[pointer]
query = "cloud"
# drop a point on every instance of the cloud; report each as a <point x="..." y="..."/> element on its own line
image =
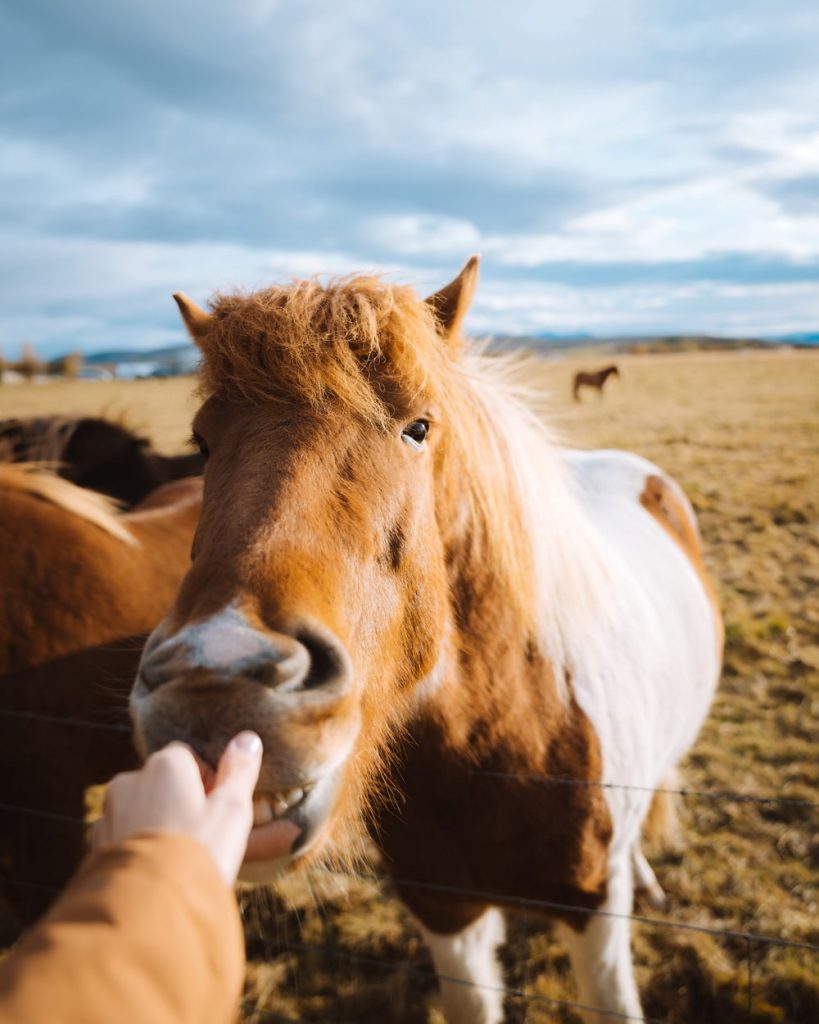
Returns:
<point x="797" y="195"/>
<point x="743" y="310"/>
<point x="634" y="161"/>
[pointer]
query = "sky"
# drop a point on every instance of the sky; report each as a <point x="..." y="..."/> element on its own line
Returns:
<point x="638" y="167"/>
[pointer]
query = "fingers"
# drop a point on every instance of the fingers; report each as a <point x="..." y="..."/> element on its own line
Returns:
<point x="229" y="807"/>
<point x="236" y="776"/>
<point x="166" y="795"/>
<point x="239" y="766"/>
<point x="207" y="774"/>
<point x="170" y="793"/>
<point x="116" y="795"/>
<point x="178" y="761"/>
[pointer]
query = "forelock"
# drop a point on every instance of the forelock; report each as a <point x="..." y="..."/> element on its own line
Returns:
<point x="357" y="342"/>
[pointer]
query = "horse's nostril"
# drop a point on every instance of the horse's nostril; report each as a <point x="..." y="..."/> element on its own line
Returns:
<point x="151" y="676"/>
<point x="309" y="658"/>
<point x="158" y="667"/>
<point x="328" y="661"/>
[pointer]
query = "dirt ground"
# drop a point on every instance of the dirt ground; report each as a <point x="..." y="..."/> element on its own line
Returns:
<point x="740" y="431"/>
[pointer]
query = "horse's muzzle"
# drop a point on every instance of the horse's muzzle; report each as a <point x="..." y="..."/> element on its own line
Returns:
<point x="226" y="646"/>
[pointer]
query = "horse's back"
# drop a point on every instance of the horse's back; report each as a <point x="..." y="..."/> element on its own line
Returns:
<point x="649" y="680"/>
<point x="639" y="510"/>
<point x="649" y="537"/>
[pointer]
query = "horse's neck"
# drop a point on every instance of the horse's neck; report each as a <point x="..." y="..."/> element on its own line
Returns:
<point x="504" y="675"/>
<point x="494" y="689"/>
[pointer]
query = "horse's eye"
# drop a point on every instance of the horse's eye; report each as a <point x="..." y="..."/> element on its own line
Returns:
<point x="201" y="444"/>
<point x="416" y="433"/>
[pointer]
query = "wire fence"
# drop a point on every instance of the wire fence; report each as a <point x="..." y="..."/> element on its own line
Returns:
<point x="24" y="821"/>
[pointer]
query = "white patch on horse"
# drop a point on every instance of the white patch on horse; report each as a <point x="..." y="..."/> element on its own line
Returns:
<point x="647" y="684"/>
<point x="223" y="640"/>
<point x="468" y="970"/>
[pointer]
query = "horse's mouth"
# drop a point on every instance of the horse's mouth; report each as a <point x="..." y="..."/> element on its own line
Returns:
<point x="269" y="806"/>
<point x="286" y="825"/>
<point x="301" y="767"/>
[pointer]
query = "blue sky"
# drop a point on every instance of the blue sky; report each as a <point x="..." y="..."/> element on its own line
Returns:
<point x="631" y="167"/>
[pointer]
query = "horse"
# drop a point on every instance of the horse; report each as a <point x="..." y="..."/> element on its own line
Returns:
<point x="593" y="380"/>
<point x="488" y="650"/>
<point x="96" y="453"/>
<point x="81" y="585"/>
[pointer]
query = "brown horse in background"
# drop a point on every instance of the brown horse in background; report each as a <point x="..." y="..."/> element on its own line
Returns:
<point x="593" y="380"/>
<point x="96" y="453"/>
<point x="80" y="586"/>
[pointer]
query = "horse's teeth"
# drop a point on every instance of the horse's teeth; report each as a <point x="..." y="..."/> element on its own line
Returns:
<point x="262" y="811"/>
<point x="274" y="805"/>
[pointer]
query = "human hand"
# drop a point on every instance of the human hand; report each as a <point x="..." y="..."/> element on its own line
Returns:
<point x="168" y="795"/>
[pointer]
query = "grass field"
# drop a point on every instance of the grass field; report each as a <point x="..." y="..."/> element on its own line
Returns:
<point x="740" y="431"/>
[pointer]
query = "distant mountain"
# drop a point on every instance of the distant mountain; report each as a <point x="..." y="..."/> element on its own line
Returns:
<point x="645" y="343"/>
<point x="173" y="353"/>
<point x="798" y="339"/>
<point x="560" y="336"/>
<point x="545" y="340"/>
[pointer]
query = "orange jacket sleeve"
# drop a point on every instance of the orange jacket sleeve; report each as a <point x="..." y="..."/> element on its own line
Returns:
<point x="147" y="932"/>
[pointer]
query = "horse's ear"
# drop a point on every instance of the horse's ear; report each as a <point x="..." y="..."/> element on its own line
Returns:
<point x="451" y="303"/>
<point x="196" y="320"/>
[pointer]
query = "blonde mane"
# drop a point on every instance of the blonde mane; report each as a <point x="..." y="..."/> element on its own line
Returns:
<point x="548" y="546"/>
<point x="364" y="345"/>
<point x="95" y="508"/>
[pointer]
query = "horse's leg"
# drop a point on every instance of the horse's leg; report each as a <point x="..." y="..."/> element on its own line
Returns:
<point x="601" y="954"/>
<point x="645" y="880"/>
<point x="468" y="970"/>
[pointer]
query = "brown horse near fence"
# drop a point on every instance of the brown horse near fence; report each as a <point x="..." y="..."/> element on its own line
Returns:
<point x="96" y="453"/>
<point x="593" y="380"/>
<point x="491" y="649"/>
<point x="80" y="586"/>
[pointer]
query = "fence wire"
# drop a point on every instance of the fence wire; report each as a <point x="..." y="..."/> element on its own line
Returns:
<point x="521" y="906"/>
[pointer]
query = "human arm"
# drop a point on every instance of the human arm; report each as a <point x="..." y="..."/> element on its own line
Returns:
<point x="148" y="930"/>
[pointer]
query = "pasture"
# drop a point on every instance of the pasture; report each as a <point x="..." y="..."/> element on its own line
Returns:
<point x="740" y="431"/>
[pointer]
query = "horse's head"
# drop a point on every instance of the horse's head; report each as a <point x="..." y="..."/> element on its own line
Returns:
<point x="317" y="603"/>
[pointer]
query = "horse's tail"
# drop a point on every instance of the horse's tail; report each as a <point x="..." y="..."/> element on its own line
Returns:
<point x="576" y="387"/>
<point x="661" y="824"/>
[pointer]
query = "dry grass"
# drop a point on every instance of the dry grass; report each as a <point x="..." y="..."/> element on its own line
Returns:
<point x="741" y="433"/>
